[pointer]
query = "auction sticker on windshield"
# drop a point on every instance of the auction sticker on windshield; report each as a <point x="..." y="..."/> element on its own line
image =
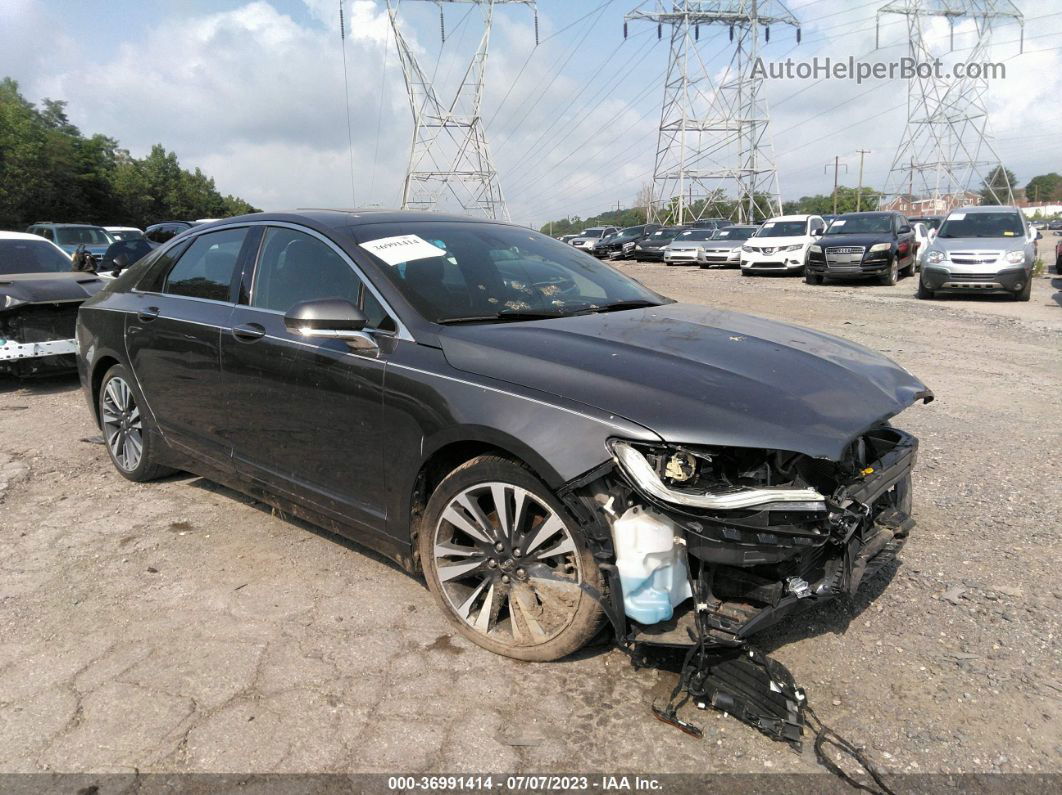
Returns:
<point x="402" y="248"/>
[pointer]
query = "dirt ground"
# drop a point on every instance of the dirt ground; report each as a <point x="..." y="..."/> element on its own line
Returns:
<point x="178" y="626"/>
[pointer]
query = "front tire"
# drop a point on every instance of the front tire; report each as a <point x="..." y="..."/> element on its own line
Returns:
<point x="1025" y="293"/>
<point x="125" y="428"/>
<point x="923" y="291"/>
<point x="507" y="564"/>
<point x="892" y="275"/>
<point x="812" y="278"/>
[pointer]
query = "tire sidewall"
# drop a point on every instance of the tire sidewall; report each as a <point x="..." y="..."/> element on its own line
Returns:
<point x="145" y="469"/>
<point x="589" y="614"/>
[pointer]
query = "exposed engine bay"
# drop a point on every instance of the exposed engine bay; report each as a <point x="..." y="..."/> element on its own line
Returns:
<point x="744" y="537"/>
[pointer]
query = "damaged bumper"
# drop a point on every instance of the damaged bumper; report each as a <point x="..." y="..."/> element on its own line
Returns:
<point x="803" y="543"/>
<point x="38" y="339"/>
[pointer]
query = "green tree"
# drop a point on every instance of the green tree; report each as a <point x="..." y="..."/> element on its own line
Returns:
<point x="997" y="186"/>
<point x="822" y="203"/>
<point x="50" y="171"/>
<point x="1044" y="188"/>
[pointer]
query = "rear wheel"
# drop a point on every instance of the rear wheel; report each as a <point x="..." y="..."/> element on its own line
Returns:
<point x="506" y="563"/>
<point x="124" y="427"/>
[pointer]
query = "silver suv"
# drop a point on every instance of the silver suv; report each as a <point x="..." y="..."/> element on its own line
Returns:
<point x="981" y="249"/>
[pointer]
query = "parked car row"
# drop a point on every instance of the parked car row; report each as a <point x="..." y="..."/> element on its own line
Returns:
<point x="984" y="249"/>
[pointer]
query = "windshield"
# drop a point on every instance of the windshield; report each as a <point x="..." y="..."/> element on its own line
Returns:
<point x="783" y="229"/>
<point x="734" y="233"/>
<point x="664" y="235"/>
<point x="861" y="225"/>
<point x="127" y="234"/>
<point x="998" y="224"/>
<point x="595" y="232"/>
<point x="89" y="235"/>
<point x="693" y="234"/>
<point x="630" y="232"/>
<point x="931" y="223"/>
<point x="486" y="272"/>
<point x="31" y="256"/>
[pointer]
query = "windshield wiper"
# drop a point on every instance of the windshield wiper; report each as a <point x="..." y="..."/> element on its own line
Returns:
<point x="636" y="303"/>
<point x="500" y="317"/>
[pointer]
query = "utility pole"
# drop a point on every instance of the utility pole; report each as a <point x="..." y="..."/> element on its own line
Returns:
<point x="449" y="157"/>
<point x="945" y="147"/>
<point x="713" y="130"/>
<point x="836" y="166"/>
<point x="859" y="190"/>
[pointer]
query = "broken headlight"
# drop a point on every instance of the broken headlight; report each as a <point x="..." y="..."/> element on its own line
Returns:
<point x="722" y="480"/>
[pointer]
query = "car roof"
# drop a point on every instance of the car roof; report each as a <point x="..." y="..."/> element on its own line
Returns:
<point x="80" y="226"/>
<point x="986" y="208"/>
<point x="867" y="213"/>
<point x="792" y="217"/>
<point x="21" y="236"/>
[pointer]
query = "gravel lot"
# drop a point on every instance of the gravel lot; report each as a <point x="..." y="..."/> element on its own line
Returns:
<point x="178" y="626"/>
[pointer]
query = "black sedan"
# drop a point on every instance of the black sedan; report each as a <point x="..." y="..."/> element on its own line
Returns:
<point x="878" y="245"/>
<point x="521" y="423"/>
<point x="622" y="243"/>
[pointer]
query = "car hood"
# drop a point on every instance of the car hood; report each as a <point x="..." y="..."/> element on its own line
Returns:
<point x="775" y="242"/>
<point x="979" y="243"/>
<point x="687" y="244"/>
<point x="698" y="375"/>
<point x="844" y="241"/>
<point x="44" y="288"/>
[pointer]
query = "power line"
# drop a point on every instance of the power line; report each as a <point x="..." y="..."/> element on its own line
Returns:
<point x="346" y="97"/>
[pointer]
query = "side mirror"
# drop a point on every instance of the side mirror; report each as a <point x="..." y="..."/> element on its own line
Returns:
<point x="331" y="318"/>
<point x="816" y="233"/>
<point x="121" y="262"/>
<point x="904" y="230"/>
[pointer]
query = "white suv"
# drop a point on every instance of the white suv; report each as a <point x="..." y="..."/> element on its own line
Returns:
<point x="781" y="244"/>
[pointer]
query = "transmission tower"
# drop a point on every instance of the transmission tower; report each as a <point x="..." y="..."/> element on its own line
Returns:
<point x="945" y="150"/>
<point x="449" y="156"/>
<point x="713" y="136"/>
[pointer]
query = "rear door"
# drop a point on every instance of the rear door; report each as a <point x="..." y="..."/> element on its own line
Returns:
<point x="905" y="241"/>
<point x="305" y="414"/>
<point x="174" y="335"/>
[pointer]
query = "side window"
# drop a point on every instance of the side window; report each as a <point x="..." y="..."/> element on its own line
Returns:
<point x="295" y="267"/>
<point x="205" y="269"/>
<point x="47" y="232"/>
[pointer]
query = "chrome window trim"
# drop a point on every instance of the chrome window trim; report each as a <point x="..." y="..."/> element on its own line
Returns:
<point x="403" y="331"/>
<point x="343" y="255"/>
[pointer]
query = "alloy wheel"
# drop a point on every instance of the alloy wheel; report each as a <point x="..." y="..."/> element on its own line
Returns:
<point x="122" y="428"/>
<point x="507" y="564"/>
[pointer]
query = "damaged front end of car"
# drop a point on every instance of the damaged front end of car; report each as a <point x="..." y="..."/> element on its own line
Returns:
<point x="38" y="318"/>
<point x="742" y="536"/>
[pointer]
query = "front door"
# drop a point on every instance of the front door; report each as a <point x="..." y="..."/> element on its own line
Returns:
<point x="304" y="415"/>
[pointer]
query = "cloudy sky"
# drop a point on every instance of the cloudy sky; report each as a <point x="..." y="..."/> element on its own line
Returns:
<point x="251" y="91"/>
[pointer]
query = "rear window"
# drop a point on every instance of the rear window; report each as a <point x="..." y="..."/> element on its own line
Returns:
<point x="88" y="235"/>
<point x="205" y="269"/>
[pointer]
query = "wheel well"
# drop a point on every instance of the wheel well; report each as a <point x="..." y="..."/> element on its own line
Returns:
<point x="100" y="369"/>
<point x="440" y="464"/>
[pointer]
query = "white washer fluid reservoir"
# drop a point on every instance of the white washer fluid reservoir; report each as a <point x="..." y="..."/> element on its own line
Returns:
<point x="652" y="565"/>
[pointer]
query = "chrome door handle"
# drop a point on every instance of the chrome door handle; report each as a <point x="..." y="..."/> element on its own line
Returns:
<point x="248" y="332"/>
<point x="149" y="314"/>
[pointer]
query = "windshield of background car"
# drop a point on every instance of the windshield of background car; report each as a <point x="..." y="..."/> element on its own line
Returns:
<point x="931" y="223"/>
<point x="783" y="229"/>
<point x="31" y="256"/>
<point x="861" y="225"/>
<point x="596" y="232"/>
<point x="1001" y="224"/>
<point x="130" y="234"/>
<point x="89" y="235"/>
<point x="630" y="232"/>
<point x="664" y="235"/>
<point x="734" y="233"/>
<point x="693" y="234"/>
<point x="481" y="270"/>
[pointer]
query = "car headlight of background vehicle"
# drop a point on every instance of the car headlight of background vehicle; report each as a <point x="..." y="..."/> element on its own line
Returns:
<point x="693" y="478"/>
<point x="879" y="247"/>
<point x="933" y="257"/>
<point x="795" y="247"/>
<point x="747" y="249"/>
<point x="816" y="249"/>
<point x="1015" y="257"/>
<point x="734" y="253"/>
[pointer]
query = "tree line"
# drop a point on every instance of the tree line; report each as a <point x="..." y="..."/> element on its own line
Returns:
<point x="50" y="171"/>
